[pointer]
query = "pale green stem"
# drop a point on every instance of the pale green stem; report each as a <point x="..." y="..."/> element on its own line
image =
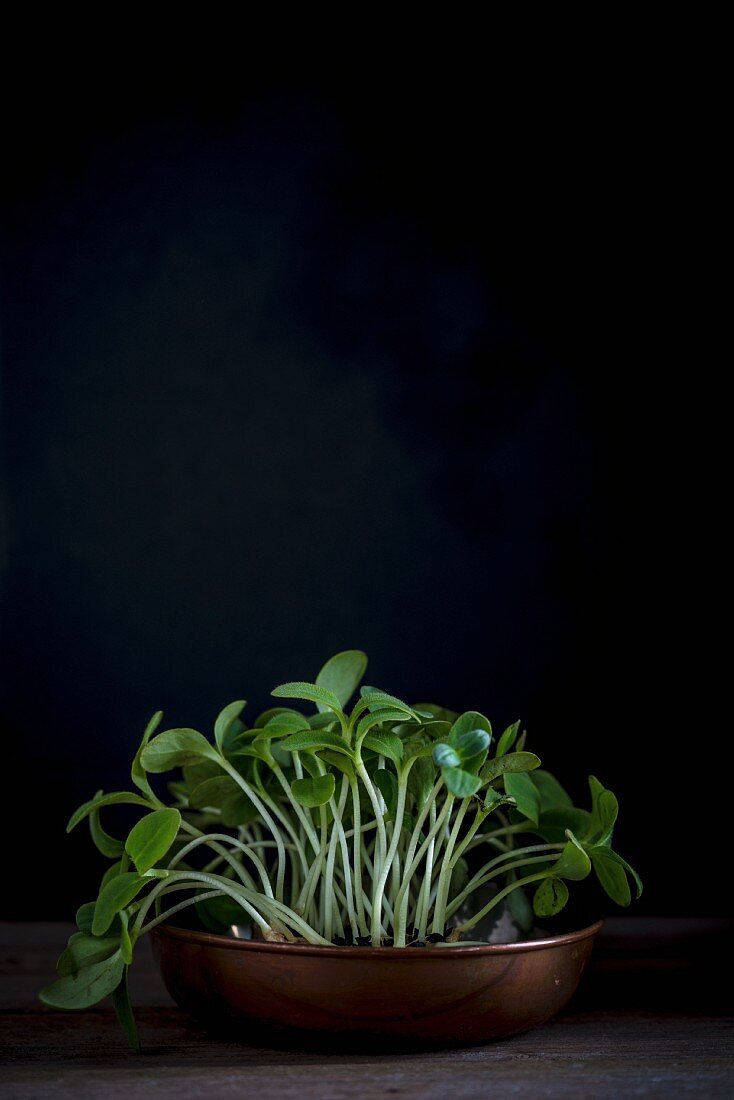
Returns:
<point x="424" y="896"/>
<point x="413" y="858"/>
<point x="207" y="838"/>
<point x="529" y="850"/>
<point x="444" y="878"/>
<point x="382" y="842"/>
<point x="458" y="901"/>
<point x="306" y="823"/>
<point x="257" y="803"/>
<point x="177" y="909"/>
<point x="357" y="856"/>
<point x="310" y="882"/>
<point x="237" y="893"/>
<point x="345" y="854"/>
<point x="379" y="887"/>
<point x="499" y="897"/>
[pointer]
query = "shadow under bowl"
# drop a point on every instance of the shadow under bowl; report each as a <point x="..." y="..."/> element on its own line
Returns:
<point x="297" y="994"/>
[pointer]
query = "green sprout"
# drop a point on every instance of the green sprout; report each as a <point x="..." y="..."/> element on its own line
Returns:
<point x="366" y="826"/>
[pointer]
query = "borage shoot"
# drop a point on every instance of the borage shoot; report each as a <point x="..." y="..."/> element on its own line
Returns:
<point x="376" y="826"/>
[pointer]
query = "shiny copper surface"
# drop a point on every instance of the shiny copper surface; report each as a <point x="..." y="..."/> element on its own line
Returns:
<point x="440" y="995"/>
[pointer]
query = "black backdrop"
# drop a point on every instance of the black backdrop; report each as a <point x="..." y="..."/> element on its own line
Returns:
<point x="290" y="369"/>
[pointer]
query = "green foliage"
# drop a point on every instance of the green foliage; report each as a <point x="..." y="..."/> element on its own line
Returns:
<point x="151" y="838"/>
<point x="323" y="698"/>
<point x="315" y="791"/>
<point x="227" y="725"/>
<point x="574" y="862"/>
<point x="113" y="897"/>
<point x="508" y="738"/>
<point x="520" y="787"/>
<point x="124" y="1011"/>
<point x="385" y="744"/>
<point x="174" y="749"/>
<point x="363" y="823"/>
<point x="85" y="950"/>
<point x="512" y="762"/>
<point x="85" y="987"/>
<point x="341" y="675"/>
<point x="550" y="897"/>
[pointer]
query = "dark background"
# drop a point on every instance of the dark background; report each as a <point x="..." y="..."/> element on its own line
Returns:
<point x="416" y="366"/>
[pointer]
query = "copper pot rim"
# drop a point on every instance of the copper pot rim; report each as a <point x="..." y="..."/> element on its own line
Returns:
<point x="209" y="939"/>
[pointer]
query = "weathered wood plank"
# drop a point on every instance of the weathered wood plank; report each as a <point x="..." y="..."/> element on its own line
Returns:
<point x="593" y="1054"/>
<point x="596" y="1055"/>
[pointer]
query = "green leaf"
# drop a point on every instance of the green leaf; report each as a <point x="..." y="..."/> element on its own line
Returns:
<point x="86" y="987"/>
<point x="213" y="792"/>
<point x="124" y="1011"/>
<point x="137" y="772"/>
<point x="312" y="693"/>
<point x="337" y="760"/>
<point x="222" y="793"/>
<point x="118" y="893"/>
<point x="264" y="718"/>
<point x="444" y="756"/>
<point x="108" y="845"/>
<point x="376" y="718"/>
<point x="224" y="721"/>
<point x="259" y="749"/>
<point x="507" y="740"/>
<point x="385" y="744"/>
<point x="467" y="722"/>
<point x="604" y="809"/>
<point x="314" y="740"/>
<point x="150" y="839"/>
<point x="315" y="791"/>
<point x="596" y="789"/>
<point x="512" y="762"/>
<point x="372" y="699"/>
<point x="85" y="916"/>
<point x="341" y="675"/>
<point x="194" y="774"/>
<point x="115" y="870"/>
<point x="552" y="794"/>
<point x="421" y="779"/>
<point x="116" y="798"/>
<point x="176" y="748"/>
<point x="573" y="862"/>
<point x="461" y="783"/>
<point x="608" y="809"/>
<point x="387" y="785"/>
<point x="126" y="947"/>
<point x="520" y="908"/>
<point x="282" y="725"/>
<point x="611" y="875"/>
<point x="616" y="858"/>
<point x="440" y="713"/>
<point x="471" y="747"/>
<point x="552" y="824"/>
<point x="550" y="897"/>
<point x="520" y="786"/>
<point x="85" y="950"/>
<point x="321" y="721"/>
<point x="493" y="799"/>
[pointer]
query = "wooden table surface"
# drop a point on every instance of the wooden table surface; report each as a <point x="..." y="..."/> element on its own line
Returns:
<point x="655" y="1019"/>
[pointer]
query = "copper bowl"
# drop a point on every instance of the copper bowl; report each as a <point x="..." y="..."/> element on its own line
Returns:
<point x="441" y="996"/>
